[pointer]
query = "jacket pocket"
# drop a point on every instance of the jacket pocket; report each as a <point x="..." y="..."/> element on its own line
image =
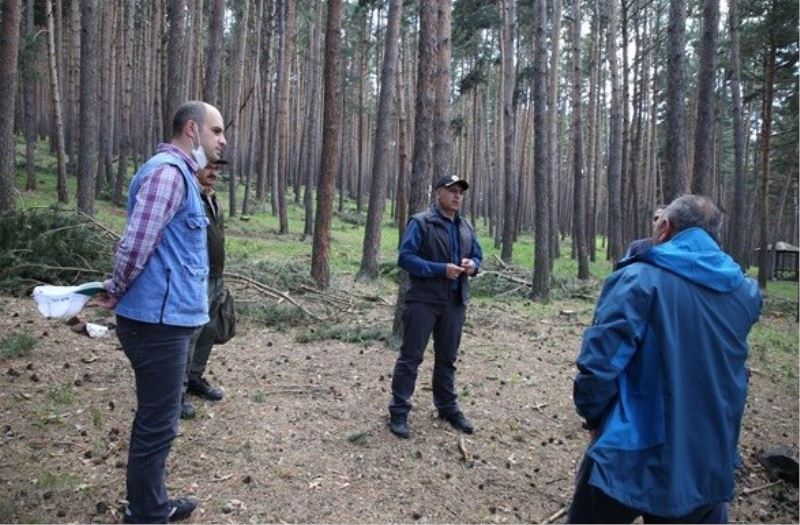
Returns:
<point x="196" y="231"/>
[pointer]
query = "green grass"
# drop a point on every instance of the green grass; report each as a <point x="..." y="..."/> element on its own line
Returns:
<point x="17" y="344"/>
<point x="61" y="394"/>
<point x="56" y="481"/>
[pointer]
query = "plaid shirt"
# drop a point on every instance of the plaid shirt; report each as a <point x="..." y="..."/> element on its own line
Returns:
<point x="161" y="194"/>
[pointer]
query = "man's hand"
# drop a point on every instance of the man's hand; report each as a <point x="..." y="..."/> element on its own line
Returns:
<point x="105" y="299"/>
<point x="453" y="271"/>
<point x="469" y="266"/>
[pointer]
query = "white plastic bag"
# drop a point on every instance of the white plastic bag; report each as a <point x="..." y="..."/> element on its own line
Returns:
<point x="64" y="301"/>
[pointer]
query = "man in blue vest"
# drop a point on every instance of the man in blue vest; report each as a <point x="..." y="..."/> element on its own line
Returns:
<point x="662" y="381"/>
<point x="440" y="251"/>
<point x="158" y="290"/>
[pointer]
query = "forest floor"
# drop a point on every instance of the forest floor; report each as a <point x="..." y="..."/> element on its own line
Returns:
<point x="302" y="436"/>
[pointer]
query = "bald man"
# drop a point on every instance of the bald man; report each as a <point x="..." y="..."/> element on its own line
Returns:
<point x="158" y="290"/>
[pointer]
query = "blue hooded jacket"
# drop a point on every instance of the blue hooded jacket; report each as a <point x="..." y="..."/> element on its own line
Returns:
<point x="662" y="370"/>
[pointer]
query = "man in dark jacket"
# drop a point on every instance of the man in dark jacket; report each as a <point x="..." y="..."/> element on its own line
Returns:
<point x="440" y="252"/>
<point x="203" y="339"/>
<point x="662" y="382"/>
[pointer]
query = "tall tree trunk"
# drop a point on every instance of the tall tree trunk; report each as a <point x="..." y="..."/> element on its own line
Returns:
<point x="402" y="154"/>
<point x="28" y="71"/>
<point x="126" y="81"/>
<point x="214" y="53"/>
<point x="377" y="197"/>
<point x="87" y="155"/>
<point x="702" y="178"/>
<point x="257" y="77"/>
<point x="442" y="130"/>
<point x="312" y="166"/>
<point x="508" y="115"/>
<point x="176" y="12"/>
<point x="236" y="136"/>
<point x="61" y="153"/>
<point x="541" y="263"/>
<point x="423" y="122"/>
<point x="283" y="114"/>
<point x="615" y="143"/>
<point x="764" y="266"/>
<point x="552" y="133"/>
<point x="73" y="85"/>
<point x="331" y="121"/>
<point x="578" y="225"/>
<point x="9" y="49"/>
<point x="281" y="106"/>
<point x="675" y="156"/>
<point x="106" y="96"/>
<point x="736" y="239"/>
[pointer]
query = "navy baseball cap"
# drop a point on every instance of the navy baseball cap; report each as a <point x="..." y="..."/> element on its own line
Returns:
<point x="450" y="180"/>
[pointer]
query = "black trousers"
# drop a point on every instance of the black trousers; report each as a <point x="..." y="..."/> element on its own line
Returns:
<point x="157" y="353"/>
<point x="445" y="321"/>
<point x="592" y="505"/>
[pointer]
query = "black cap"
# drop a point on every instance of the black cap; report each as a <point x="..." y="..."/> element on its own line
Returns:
<point x="450" y="180"/>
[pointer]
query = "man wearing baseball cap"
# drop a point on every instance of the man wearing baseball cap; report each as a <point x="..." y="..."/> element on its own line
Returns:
<point x="440" y="251"/>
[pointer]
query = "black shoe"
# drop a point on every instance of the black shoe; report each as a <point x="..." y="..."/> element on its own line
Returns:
<point x="179" y="509"/>
<point x="459" y="422"/>
<point x="202" y="388"/>
<point x="399" y="427"/>
<point x="187" y="410"/>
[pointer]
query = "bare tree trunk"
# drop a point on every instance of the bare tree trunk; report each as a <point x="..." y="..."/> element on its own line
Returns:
<point x="702" y="178"/>
<point x="28" y="72"/>
<point x="176" y="12"/>
<point x="402" y="154"/>
<point x="764" y="267"/>
<point x="256" y="109"/>
<point x="87" y="156"/>
<point x="552" y="133"/>
<point x="541" y="263"/>
<point x="675" y="158"/>
<point x="736" y="239"/>
<point x="106" y="96"/>
<point x="73" y="85"/>
<point x="615" y="144"/>
<point x="214" y="53"/>
<point x="509" y="9"/>
<point x="377" y="197"/>
<point x="442" y="130"/>
<point x="331" y="121"/>
<point x="9" y="48"/>
<point x="126" y="81"/>
<point x="236" y="136"/>
<point x="56" y="104"/>
<point x="578" y="226"/>
<point x="312" y="164"/>
<point x="283" y="114"/>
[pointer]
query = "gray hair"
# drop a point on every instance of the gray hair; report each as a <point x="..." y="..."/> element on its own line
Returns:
<point x="694" y="211"/>
<point x="194" y="110"/>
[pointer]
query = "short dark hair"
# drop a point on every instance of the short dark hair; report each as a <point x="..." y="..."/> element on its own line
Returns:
<point x="194" y="110"/>
<point x="694" y="211"/>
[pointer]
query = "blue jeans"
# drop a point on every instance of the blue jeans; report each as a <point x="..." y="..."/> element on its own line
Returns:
<point x="420" y="319"/>
<point x="592" y="505"/>
<point x="157" y="354"/>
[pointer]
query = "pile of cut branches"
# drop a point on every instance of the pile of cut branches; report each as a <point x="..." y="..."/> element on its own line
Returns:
<point x="51" y="245"/>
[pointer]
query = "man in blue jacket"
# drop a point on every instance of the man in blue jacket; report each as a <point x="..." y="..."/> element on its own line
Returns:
<point x="662" y="379"/>
<point x="440" y="252"/>
<point x="158" y="291"/>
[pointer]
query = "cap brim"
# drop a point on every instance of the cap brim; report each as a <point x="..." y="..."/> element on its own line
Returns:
<point x="462" y="183"/>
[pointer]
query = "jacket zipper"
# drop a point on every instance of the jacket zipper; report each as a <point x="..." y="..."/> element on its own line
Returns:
<point x="166" y="294"/>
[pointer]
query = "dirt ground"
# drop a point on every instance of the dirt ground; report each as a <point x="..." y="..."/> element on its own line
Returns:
<point x="301" y="435"/>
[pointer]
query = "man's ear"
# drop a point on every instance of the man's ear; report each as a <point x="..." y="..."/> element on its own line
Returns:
<point x="663" y="230"/>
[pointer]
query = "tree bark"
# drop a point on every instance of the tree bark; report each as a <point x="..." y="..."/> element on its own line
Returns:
<point x="442" y="130"/>
<point x="61" y="154"/>
<point x="331" y="122"/>
<point x="29" y="80"/>
<point x="214" y="53"/>
<point x="702" y="179"/>
<point x="9" y="49"/>
<point x="736" y="239"/>
<point x="235" y="135"/>
<point x="541" y="264"/>
<point x="176" y="10"/>
<point x="126" y="143"/>
<point x="578" y="225"/>
<point x="312" y="166"/>
<point x="764" y="266"/>
<point x="552" y="133"/>
<point x="509" y="9"/>
<point x="377" y="197"/>
<point x="615" y="143"/>
<point x="675" y="159"/>
<point x="87" y="155"/>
